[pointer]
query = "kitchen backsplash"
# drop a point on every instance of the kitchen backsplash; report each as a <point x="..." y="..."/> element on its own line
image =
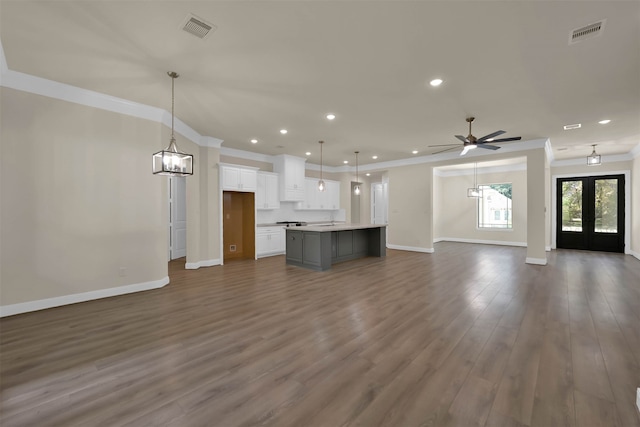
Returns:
<point x="288" y="213"/>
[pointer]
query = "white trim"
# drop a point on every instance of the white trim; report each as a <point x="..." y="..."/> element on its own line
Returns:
<point x="247" y="155"/>
<point x="25" y="307"/>
<point x="634" y="254"/>
<point x="627" y="203"/>
<point x="547" y="248"/>
<point x="3" y="61"/>
<point x="482" y="242"/>
<point x="635" y="152"/>
<point x="481" y="171"/>
<point x="205" y="263"/>
<point x="64" y="92"/>
<point x="582" y="161"/>
<point x="549" y="150"/>
<point x="410" y="248"/>
<point x="536" y="261"/>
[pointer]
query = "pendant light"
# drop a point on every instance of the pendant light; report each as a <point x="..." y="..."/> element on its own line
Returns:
<point x="475" y="191"/>
<point x="594" y="159"/>
<point x="172" y="161"/>
<point x="321" y="185"/>
<point x="356" y="190"/>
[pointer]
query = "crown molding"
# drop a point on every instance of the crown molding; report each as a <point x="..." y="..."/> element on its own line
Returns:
<point x="635" y="152"/>
<point x="481" y="171"/>
<point x="64" y="92"/>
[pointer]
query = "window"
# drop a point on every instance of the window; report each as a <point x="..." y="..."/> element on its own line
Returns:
<point x="494" y="207"/>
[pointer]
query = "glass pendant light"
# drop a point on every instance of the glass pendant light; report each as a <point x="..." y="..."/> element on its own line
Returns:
<point x="171" y="161"/>
<point x="356" y="190"/>
<point x="475" y="191"/>
<point x="321" y="185"/>
<point x="594" y="159"/>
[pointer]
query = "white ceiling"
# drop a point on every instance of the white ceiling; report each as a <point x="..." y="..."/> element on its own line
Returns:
<point x="285" y="64"/>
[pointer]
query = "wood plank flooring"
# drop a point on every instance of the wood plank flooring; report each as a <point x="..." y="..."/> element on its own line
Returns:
<point x="467" y="336"/>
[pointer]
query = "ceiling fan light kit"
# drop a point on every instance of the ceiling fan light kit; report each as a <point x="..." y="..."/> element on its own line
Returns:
<point x="594" y="159"/>
<point x="470" y="142"/>
<point x="171" y="161"/>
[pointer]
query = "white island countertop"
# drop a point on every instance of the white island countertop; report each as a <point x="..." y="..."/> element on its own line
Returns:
<point x="336" y="227"/>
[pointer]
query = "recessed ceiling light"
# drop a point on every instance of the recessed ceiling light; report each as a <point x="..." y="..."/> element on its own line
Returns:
<point x="368" y="174"/>
<point x="345" y="162"/>
<point x="374" y="157"/>
<point x="575" y="126"/>
<point x="414" y="152"/>
<point x="254" y="141"/>
<point x="331" y="116"/>
<point x="604" y="122"/>
<point x="308" y="153"/>
<point x="436" y="82"/>
<point x="283" y="131"/>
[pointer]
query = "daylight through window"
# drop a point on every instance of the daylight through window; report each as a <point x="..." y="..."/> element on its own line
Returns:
<point x="494" y="207"/>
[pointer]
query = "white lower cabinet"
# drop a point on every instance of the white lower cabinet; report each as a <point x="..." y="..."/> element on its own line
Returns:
<point x="270" y="241"/>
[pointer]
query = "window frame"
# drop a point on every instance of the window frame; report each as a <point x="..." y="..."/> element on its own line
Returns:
<point x="481" y="200"/>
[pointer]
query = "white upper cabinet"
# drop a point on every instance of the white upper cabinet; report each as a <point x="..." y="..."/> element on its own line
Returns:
<point x="329" y="199"/>
<point x="291" y="170"/>
<point x="267" y="193"/>
<point x="238" y="178"/>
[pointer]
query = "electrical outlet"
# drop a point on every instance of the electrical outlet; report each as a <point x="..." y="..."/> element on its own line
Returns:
<point x="122" y="272"/>
<point x="232" y="248"/>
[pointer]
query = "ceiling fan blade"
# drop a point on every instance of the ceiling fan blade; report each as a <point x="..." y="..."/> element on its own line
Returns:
<point x="446" y="145"/>
<point x="491" y="135"/>
<point x="515" y="138"/>
<point x="489" y="147"/>
<point x="462" y="138"/>
<point x="447" y="149"/>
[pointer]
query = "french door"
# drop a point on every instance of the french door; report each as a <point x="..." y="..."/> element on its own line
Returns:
<point x="591" y="213"/>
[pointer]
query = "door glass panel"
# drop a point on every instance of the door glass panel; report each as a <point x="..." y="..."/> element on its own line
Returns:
<point x="572" y="206"/>
<point x="606" y="206"/>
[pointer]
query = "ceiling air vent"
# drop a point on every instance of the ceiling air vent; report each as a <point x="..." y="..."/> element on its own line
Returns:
<point x="198" y="27"/>
<point x="588" y="32"/>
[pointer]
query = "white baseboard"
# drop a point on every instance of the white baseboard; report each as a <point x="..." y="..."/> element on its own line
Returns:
<point x="410" y="248"/>
<point x="547" y="248"/>
<point x="25" y="307"/>
<point x="482" y="242"/>
<point x="206" y="263"/>
<point x="536" y="261"/>
<point x="439" y="239"/>
<point x="634" y="254"/>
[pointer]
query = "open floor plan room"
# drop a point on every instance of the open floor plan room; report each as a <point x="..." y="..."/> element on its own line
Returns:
<point x="468" y="335"/>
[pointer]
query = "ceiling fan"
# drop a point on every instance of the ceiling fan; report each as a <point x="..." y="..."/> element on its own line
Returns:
<point x="471" y="142"/>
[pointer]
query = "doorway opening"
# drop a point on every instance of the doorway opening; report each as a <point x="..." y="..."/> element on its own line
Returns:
<point x="591" y="213"/>
<point x="177" y="217"/>
<point x="238" y="210"/>
<point x="379" y="203"/>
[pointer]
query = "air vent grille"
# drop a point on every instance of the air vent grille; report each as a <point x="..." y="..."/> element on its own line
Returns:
<point x="590" y="31"/>
<point x="198" y="27"/>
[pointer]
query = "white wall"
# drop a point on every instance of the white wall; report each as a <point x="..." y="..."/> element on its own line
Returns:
<point x="635" y="207"/>
<point x="81" y="211"/>
<point x="457" y="214"/>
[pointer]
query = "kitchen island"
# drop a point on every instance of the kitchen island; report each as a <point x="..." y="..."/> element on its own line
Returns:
<point x="319" y="246"/>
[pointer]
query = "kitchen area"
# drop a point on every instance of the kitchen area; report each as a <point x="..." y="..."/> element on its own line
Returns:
<point x="285" y="200"/>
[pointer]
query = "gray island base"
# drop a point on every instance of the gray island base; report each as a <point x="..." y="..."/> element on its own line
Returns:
<point x="318" y="247"/>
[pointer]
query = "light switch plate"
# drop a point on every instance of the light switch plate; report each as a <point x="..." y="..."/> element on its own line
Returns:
<point x="638" y="398"/>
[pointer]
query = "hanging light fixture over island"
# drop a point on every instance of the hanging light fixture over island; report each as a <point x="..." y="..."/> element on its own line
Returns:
<point x="171" y="161"/>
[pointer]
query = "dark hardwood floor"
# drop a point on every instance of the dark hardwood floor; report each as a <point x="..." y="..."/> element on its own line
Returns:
<point x="467" y="336"/>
